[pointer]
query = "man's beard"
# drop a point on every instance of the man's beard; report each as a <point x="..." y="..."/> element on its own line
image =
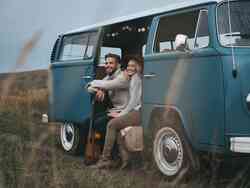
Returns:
<point x="111" y="73"/>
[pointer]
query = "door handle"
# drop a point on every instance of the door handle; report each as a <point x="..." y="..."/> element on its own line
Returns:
<point x="248" y="101"/>
<point x="86" y="77"/>
<point x="248" y="98"/>
<point x="151" y="75"/>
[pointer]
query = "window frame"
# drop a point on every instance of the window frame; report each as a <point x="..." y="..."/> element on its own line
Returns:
<point x="197" y="27"/>
<point x="84" y="57"/>
<point x="174" y="13"/>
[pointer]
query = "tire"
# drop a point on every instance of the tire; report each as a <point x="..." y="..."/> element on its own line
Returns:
<point x="70" y="138"/>
<point x="172" y="153"/>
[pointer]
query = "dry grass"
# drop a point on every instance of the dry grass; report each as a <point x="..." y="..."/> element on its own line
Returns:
<point x="32" y="99"/>
<point x="30" y="156"/>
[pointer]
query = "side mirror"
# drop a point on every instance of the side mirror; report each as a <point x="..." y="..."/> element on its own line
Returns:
<point x="181" y="42"/>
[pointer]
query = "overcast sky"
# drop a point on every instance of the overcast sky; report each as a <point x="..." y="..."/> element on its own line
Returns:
<point x="21" y="19"/>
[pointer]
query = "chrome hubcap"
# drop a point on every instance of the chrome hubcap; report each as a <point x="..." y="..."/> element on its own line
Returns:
<point x="168" y="151"/>
<point x="67" y="136"/>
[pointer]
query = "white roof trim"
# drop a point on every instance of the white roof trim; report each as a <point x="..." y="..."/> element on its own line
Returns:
<point x="176" y="5"/>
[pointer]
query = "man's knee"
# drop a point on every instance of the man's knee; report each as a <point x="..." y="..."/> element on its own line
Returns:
<point x="113" y="124"/>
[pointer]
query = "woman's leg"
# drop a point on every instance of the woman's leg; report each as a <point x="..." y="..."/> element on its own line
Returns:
<point x="113" y="128"/>
<point x="123" y="151"/>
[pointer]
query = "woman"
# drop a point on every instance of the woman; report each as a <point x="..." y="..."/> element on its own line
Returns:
<point x="130" y="116"/>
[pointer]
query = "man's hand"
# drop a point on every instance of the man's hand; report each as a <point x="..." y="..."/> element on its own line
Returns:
<point x="113" y="114"/>
<point x="100" y="95"/>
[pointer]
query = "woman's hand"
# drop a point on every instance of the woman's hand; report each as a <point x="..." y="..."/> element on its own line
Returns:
<point x="126" y="75"/>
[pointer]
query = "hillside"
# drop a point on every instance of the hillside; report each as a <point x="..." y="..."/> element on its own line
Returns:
<point x="23" y="81"/>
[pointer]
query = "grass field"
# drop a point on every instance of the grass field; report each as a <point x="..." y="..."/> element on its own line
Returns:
<point x="31" y="157"/>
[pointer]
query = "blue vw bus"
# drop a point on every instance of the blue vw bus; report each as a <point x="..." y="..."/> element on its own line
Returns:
<point x="196" y="95"/>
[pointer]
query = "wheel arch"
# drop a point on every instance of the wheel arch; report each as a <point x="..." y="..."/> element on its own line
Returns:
<point x="170" y="116"/>
<point x="160" y="114"/>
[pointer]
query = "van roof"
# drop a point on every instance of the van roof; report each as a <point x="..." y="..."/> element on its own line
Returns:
<point x="177" y="4"/>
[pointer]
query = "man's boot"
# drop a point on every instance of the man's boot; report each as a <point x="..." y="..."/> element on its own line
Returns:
<point x="104" y="162"/>
<point x="106" y="159"/>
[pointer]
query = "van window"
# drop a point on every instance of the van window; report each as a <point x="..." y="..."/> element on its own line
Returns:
<point x="126" y="38"/>
<point x="77" y="46"/>
<point x="193" y="24"/>
<point x="233" y="22"/>
<point x="106" y="50"/>
<point x="202" y="32"/>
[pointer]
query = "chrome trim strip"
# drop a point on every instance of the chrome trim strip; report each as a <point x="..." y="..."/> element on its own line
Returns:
<point x="149" y="75"/>
<point x="86" y="77"/>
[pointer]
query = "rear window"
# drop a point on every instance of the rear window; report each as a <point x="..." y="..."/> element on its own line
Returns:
<point x="78" y="46"/>
<point x="192" y="24"/>
<point x="233" y="20"/>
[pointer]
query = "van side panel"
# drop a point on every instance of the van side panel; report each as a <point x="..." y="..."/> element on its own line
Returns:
<point x="193" y="83"/>
<point x="195" y="86"/>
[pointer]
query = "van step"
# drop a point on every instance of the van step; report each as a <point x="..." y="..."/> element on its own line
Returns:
<point x="240" y="144"/>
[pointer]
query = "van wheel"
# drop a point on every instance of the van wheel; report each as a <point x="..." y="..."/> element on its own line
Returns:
<point x="171" y="153"/>
<point x="70" y="138"/>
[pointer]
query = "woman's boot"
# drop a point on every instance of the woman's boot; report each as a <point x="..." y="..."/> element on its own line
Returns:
<point x="124" y="154"/>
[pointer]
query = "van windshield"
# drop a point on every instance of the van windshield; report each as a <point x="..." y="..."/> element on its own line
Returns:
<point x="233" y="20"/>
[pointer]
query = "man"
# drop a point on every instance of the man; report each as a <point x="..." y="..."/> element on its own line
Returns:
<point x="116" y="85"/>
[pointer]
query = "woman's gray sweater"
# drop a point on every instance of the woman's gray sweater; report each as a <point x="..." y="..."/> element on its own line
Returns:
<point x="135" y="94"/>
